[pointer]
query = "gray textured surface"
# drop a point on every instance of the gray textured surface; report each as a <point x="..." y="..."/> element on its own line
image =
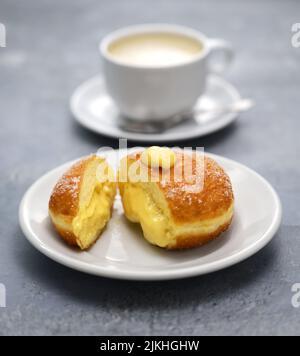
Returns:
<point x="52" y="47"/>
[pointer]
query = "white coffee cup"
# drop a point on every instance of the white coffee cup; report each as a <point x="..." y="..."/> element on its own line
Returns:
<point x="143" y="91"/>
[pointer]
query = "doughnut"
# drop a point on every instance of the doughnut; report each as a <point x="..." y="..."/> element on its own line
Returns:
<point x="81" y="202"/>
<point x="176" y="213"/>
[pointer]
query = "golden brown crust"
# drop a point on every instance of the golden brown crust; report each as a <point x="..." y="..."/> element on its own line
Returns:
<point x="64" y="199"/>
<point x="67" y="236"/>
<point x="213" y="200"/>
<point x="191" y="241"/>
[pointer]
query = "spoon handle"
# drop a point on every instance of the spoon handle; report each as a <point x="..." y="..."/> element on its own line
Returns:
<point x="159" y="127"/>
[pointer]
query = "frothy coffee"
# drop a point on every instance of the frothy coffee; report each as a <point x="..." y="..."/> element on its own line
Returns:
<point x="155" y="49"/>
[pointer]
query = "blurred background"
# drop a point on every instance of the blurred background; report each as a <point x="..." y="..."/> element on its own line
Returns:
<point x="52" y="46"/>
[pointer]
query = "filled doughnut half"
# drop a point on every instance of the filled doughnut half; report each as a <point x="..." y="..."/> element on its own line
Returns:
<point x="81" y="202"/>
<point x="176" y="213"/>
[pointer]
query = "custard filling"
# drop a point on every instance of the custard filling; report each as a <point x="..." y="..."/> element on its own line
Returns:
<point x="140" y="207"/>
<point x="92" y="218"/>
<point x="157" y="227"/>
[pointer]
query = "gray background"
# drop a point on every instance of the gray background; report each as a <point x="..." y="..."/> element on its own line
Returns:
<point x="51" y="48"/>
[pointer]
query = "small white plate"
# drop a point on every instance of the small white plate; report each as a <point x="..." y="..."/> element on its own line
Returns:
<point x="92" y="108"/>
<point x="121" y="252"/>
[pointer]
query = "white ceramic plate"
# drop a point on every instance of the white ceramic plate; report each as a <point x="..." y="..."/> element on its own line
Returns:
<point x="93" y="109"/>
<point x="122" y="252"/>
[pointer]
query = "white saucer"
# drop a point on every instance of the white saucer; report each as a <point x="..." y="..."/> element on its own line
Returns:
<point x="92" y="107"/>
<point x="121" y="252"/>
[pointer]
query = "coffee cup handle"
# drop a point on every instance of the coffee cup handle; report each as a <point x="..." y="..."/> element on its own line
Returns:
<point x="220" y="46"/>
